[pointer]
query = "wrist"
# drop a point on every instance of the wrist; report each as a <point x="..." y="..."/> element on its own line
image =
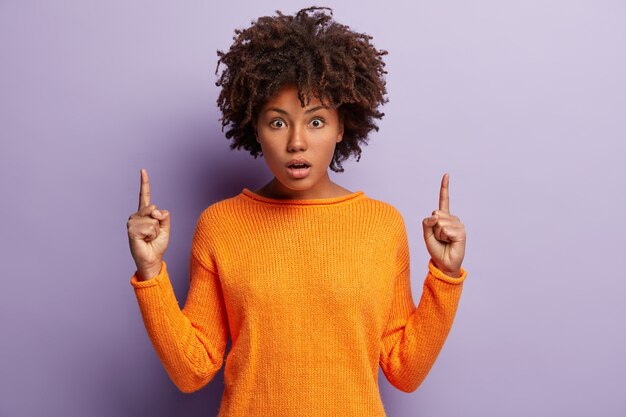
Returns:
<point x="451" y="274"/>
<point x="145" y="274"/>
<point x="455" y="274"/>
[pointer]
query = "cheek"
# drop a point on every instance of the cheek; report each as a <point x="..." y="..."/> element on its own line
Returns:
<point x="332" y="142"/>
<point x="271" y="153"/>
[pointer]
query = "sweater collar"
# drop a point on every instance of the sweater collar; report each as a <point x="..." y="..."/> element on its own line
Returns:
<point x="309" y="201"/>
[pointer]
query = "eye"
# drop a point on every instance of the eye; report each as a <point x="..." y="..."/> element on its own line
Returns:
<point x="317" y="122"/>
<point x="277" y="123"/>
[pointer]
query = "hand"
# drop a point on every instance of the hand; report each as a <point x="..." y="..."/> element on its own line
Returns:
<point x="445" y="235"/>
<point x="148" y="232"/>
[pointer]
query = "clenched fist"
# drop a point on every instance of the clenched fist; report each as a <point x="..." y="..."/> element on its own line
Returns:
<point x="148" y="233"/>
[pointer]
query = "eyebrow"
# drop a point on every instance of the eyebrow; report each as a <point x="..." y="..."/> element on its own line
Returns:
<point x="278" y="110"/>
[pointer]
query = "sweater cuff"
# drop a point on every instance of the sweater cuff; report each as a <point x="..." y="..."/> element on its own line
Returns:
<point x="437" y="273"/>
<point x="137" y="283"/>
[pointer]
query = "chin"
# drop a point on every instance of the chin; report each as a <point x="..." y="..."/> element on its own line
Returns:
<point x="296" y="185"/>
<point x="293" y="184"/>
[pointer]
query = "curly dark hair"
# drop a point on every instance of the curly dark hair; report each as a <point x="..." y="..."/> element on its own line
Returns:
<point x="321" y="57"/>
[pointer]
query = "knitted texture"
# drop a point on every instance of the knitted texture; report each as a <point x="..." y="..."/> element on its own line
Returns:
<point x="315" y="295"/>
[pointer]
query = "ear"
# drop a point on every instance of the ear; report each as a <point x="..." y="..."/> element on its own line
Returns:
<point x="341" y="129"/>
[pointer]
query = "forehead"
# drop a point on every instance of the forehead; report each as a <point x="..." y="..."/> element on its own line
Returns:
<point x="287" y="96"/>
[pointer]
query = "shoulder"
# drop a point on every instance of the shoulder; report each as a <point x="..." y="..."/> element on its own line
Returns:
<point x="219" y="213"/>
<point x="220" y="207"/>
<point x="391" y="228"/>
<point x="383" y="211"/>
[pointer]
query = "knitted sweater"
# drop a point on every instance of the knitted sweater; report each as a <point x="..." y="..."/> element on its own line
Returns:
<point x="315" y="294"/>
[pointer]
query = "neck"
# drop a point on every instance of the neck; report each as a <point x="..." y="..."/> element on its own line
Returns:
<point x="275" y="189"/>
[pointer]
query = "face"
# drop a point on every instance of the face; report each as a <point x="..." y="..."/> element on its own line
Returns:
<point x="287" y="131"/>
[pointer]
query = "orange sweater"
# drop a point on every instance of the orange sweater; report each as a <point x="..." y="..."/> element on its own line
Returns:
<point x="314" y="295"/>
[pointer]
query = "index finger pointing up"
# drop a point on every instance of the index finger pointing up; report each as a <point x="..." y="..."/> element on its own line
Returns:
<point x="144" y="190"/>
<point x="444" y="196"/>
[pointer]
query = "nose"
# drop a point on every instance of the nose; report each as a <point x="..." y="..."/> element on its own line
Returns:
<point x="297" y="140"/>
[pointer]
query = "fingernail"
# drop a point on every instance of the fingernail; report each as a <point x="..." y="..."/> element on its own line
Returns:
<point x="158" y="213"/>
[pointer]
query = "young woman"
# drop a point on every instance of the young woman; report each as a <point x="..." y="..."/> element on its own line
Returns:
<point x="310" y="280"/>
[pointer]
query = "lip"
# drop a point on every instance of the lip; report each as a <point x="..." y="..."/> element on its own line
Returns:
<point x="299" y="173"/>
<point x="298" y="161"/>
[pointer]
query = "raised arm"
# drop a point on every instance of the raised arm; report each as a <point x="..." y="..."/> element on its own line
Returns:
<point x="190" y="342"/>
<point x="414" y="336"/>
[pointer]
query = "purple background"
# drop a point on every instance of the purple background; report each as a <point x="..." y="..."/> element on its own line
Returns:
<point x="524" y="103"/>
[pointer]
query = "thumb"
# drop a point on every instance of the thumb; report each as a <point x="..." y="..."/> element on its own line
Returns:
<point x="164" y="220"/>
<point x="428" y="224"/>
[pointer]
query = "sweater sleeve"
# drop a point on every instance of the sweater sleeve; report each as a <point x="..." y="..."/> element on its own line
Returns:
<point x="414" y="336"/>
<point x="190" y="342"/>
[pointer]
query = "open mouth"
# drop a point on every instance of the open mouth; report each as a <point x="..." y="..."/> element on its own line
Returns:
<point x="298" y="171"/>
<point x="298" y="166"/>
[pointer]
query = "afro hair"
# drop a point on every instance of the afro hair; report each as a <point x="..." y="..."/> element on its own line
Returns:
<point x="321" y="57"/>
